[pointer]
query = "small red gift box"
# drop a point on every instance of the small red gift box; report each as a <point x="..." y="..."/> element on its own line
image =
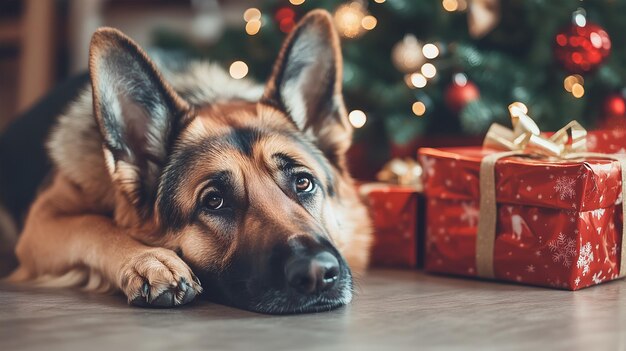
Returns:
<point x="394" y="213"/>
<point x="558" y="222"/>
<point x="607" y="141"/>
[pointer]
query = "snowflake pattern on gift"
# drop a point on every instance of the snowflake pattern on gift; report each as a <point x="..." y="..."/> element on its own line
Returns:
<point x="563" y="249"/>
<point x="585" y="258"/>
<point x="517" y="224"/>
<point x="470" y="214"/>
<point x="565" y="187"/>
<point x="598" y="278"/>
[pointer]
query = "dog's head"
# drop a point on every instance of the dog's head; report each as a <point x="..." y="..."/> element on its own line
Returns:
<point x="247" y="193"/>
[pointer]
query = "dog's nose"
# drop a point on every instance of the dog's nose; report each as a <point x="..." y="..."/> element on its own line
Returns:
<point x="312" y="275"/>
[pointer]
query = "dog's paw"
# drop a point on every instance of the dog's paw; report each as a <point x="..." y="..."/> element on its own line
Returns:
<point x="158" y="278"/>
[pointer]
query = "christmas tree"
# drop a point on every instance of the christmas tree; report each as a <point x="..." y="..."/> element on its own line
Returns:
<point x="416" y="68"/>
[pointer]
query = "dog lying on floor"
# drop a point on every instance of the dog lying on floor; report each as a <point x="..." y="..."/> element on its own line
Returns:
<point x="172" y="183"/>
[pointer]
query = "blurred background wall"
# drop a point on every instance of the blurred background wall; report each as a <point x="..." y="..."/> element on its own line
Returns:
<point x="44" y="41"/>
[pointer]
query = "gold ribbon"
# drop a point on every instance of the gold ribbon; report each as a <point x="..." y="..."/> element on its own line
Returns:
<point x="525" y="139"/>
<point x="526" y="136"/>
<point x="402" y="172"/>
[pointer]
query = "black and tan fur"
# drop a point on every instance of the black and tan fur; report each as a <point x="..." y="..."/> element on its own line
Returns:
<point x="139" y="152"/>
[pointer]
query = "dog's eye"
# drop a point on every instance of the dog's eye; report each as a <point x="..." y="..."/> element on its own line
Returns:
<point x="304" y="184"/>
<point x="214" y="201"/>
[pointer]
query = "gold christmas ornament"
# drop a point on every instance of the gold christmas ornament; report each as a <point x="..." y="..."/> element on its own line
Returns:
<point x="407" y="54"/>
<point x="349" y="18"/>
<point x="482" y="17"/>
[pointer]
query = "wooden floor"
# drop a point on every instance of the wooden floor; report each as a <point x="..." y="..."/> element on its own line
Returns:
<point x="393" y="310"/>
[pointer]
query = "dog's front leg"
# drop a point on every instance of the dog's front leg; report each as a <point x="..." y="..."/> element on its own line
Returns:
<point x="59" y="236"/>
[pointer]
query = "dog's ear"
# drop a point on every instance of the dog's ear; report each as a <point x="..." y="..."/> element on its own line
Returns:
<point x="306" y="84"/>
<point x="137" y="113"/>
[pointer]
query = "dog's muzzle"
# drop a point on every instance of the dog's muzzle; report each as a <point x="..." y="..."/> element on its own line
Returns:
<point x="307" y="274"/>
<point x="312" y="274"/>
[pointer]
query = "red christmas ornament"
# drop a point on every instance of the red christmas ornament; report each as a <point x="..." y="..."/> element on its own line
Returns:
<point x="460" y="93"/>
<point x="581" y="49"/>
<point x="614" y="113"/>
<point x="615" y="106"/>
<point x="286" y="18"/>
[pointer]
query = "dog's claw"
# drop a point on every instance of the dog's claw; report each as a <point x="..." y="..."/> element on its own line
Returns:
<point x="182" y="284"/>
<point x="195" y="279"/>
<point x="145" y="290"/>
<point x="159" y="278"/>
<point x="182" y="294"/>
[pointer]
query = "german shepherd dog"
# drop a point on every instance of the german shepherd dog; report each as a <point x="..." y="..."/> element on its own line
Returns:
<point x="169" y="183"/>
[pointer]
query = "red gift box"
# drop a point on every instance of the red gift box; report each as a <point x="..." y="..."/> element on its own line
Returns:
<point x="607" y="141"/>
<point x="558" y="222"/>
<point x="394" y="213"/>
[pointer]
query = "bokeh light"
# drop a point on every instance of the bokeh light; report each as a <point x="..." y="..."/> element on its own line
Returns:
<point x="238" y="69"/>
<point x="252" y="14"/>
<point x="578" y="90"/>
<point x="357" y="118"/>
<point x="430" y="51"/>
<point x="429" y="70"/>
<point x="450" y="5"/>
<point x="418" y="80"/>
<point x="253" y="27"/>
<point x="369" y="22"/>
<point x="419" y="108"/>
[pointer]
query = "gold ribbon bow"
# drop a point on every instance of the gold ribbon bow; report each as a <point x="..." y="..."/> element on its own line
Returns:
<point x="526" y="136"/>
<point x="405" y="171"/>
<point x="525" y="139"/>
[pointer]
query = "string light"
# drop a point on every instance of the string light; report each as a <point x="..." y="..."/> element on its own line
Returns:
<point x="419" y="108"/>
<point x="357" y="118"/>
<point x="348" y="19"/>
<point x="450" y="5"/>
<point x="369" y="22"/>
<point x="575" y="84"/>
<point x="253" y="18"/>
<point x="253" y="27"/>
<point x="430" y="51"/>
<point x="460" y="79"/>
<point x="296" y="2"/>
<point x="580" y="20"/>
<point x="428" y="70"/>
<point x="252" y="14"/>
<point x="418" y="80"/>
<point x="570" y="80"/>
<point x="407" y="55"/>
<point x="580" y="17"/>
<point x="238" y="69"/>
<point x="578" y="90"/>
